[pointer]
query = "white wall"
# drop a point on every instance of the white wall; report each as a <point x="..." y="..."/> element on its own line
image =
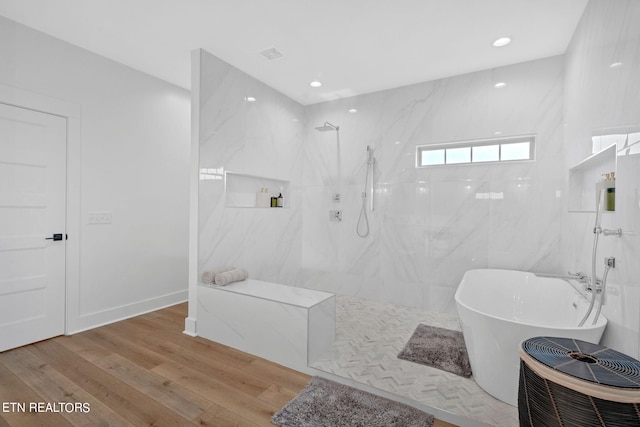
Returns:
<point x="133" y="161"/>
<point x="600" y="99"/>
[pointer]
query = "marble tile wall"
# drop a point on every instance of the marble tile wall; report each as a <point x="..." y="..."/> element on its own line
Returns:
<point x="252" y="139"/>
<point x="600" y="99"/>
<point x="430" y="225"/>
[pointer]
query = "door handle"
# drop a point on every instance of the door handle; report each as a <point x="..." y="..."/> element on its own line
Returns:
<point x="56" y="237"/>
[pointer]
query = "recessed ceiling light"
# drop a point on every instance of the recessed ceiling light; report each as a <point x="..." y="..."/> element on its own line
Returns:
<point x="315" y="83"/>
<point x="353" y="110"/>
<point x="616" y="65"/>
<point x="497" y="132"/>
<point x="499" y="85"/>
<point x="250" y="99"/>
<point x="502" y="41"/>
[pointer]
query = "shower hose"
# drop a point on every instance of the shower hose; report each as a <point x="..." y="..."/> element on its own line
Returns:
<point x="363" y="215"/>
<point x="594" y="281"/>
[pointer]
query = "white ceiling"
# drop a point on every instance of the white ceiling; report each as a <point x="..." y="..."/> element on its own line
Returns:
<point x="352" y="46"/>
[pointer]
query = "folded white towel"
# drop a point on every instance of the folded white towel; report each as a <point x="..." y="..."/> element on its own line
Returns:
<point x="231" y="276"/>
<point x="209" y="277"/>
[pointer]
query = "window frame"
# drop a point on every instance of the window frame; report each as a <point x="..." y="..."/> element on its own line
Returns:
<point x="507" y="140"/>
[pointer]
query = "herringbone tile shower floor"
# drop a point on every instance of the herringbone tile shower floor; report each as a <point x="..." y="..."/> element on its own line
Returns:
<point x="369" y="336"/>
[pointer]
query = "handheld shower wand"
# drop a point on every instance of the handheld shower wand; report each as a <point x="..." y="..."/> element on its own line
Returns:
<point x="593" y="280"/>
<point x="595" y="284"/>
<point x="363" y="211"/>
<point x="371" y="164"/>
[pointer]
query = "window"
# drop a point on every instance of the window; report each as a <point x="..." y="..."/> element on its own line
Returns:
<point x="627" y="140"/>
<point x="458" y="155"/>
<point x="517" y="151"/>
<point x="486" y="153"/>
<point x="211" y="173"/>
<point x="508" y="149"/>
<point x="432" y="157"/>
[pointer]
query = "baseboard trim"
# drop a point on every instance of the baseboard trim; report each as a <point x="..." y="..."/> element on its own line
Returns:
<point x="190" y="327"/>
<point x="106" y="317"/>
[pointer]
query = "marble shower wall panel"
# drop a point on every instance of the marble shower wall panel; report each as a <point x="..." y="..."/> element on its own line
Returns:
<point x="222" y="121"/>
<point x="527" y="214"/>
<point x="271" y="248"/>
<point x="432" y="224"/>
<point x="602" y="99"/>
<point x="462" y="109"/>
<point x="261" y="138"/>
<point x="459" y="234"/>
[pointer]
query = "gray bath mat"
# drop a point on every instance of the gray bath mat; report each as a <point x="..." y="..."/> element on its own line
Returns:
<point x="437" y="347"/>
<point x="324" y="403"/>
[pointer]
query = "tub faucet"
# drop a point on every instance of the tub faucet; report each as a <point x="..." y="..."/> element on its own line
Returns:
<point x="580" y="277"/>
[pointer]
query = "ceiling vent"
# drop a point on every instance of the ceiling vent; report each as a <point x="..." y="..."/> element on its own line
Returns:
<point x="271" y="53"/>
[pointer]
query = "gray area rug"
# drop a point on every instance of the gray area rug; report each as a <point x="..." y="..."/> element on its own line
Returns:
<point x="324" y="403"/>
<point x="437" y="347"/>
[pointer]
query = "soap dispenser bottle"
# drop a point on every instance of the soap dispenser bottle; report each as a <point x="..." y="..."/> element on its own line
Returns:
<point x="280" y="201"/>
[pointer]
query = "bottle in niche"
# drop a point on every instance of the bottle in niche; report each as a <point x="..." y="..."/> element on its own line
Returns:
<point x="280" y="202"/>
<point x="610" y="186"/>
<point x="274" y="202"/>
<point x="607" y="187"/>
<point x="611" y="199"/>
<point x="262" y="198"/>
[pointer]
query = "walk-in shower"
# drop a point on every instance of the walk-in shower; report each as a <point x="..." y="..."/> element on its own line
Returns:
<point x="362" y="227"/>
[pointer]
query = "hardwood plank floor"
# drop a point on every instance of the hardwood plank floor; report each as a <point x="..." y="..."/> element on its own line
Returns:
<point x="142" y="372"/>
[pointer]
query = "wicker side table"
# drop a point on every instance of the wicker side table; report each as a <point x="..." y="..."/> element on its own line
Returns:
<point x="572" y="383"/>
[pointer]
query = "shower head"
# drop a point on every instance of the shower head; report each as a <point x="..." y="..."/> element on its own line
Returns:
<point x="327" y="126"/>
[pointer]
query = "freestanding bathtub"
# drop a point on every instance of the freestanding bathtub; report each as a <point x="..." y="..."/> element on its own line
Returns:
<point x="498" y="309"/>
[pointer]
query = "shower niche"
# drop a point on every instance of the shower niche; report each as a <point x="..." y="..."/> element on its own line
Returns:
<point x="589" y="175"/>
<point x="241" y="190"/>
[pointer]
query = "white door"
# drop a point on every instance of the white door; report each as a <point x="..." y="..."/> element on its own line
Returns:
<point x="32" y="209"/>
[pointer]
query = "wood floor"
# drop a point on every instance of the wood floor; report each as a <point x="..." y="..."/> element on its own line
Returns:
<point x="142" y="372"/>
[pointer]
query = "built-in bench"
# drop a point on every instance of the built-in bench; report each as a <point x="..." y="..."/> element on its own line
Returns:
<point x="285" y="324"/>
